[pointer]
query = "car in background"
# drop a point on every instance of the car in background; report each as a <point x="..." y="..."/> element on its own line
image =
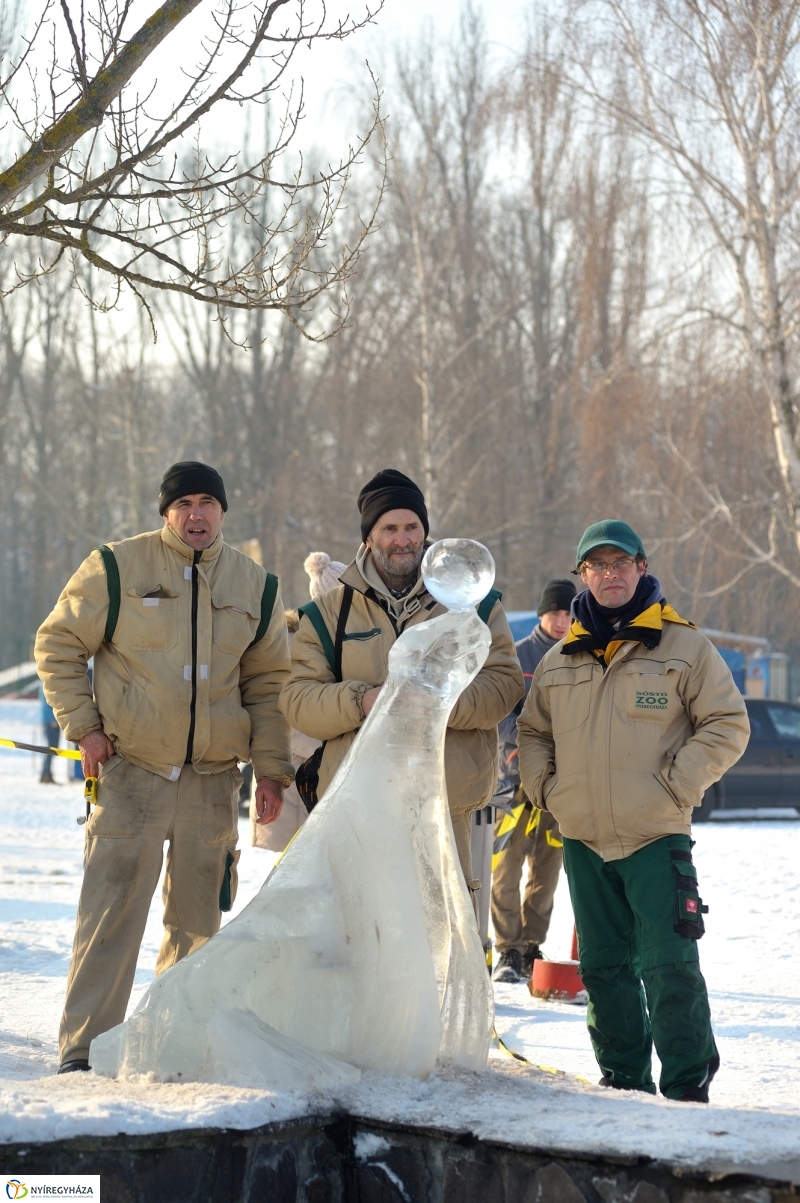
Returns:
<point x="768" y="774"/>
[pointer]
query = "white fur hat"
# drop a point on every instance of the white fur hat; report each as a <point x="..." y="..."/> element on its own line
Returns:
<point x="324" y="572"/>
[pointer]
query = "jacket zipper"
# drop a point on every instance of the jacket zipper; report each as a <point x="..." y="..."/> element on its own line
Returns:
<point x="193" y="704"/>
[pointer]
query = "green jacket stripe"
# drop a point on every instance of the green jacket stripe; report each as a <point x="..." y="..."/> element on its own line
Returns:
<point x="114" y="590"/>
<point x="267" y="606"/>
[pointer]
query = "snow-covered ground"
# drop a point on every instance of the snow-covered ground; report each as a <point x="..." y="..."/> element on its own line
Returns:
<point x="750" y="956"/>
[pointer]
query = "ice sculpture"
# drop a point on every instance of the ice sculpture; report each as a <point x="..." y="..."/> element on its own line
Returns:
<point x="361" y="950"/>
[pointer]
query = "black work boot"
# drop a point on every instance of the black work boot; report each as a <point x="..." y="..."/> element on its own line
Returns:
<point x="71" y="1067"/>
<point x="532" y="953"/>
<point x="508" y="967"/>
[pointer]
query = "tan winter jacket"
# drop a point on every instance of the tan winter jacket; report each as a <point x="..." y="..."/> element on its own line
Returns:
<point x="143" y="679"/>
<point x="317" y="705"/>
<point x="620" y="757"/>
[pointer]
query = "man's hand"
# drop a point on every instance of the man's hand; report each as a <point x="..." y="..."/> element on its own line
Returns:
<point x="269" y="800"/>
<point x="96" y="748"/>
<point x="369" y="699"/>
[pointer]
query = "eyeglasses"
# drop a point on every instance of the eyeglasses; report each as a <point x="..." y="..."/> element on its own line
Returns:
<point x="599" y="568"/>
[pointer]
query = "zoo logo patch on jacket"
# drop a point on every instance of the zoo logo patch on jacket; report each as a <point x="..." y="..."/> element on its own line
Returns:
<point x="647" y="700"/>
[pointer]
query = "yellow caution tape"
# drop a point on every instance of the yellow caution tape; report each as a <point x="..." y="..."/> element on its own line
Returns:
<point x="288" y="846"/>
<point x="509" y="1051"/>
<point x="66" y="753"/>
<point x="547" y="1069"/>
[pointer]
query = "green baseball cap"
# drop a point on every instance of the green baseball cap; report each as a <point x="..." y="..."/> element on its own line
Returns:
<point x="609" y="533"/>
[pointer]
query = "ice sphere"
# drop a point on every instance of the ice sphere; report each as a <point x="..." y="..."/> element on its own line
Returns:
<point x="361" y="950"/>
<point x="458" y="572"/>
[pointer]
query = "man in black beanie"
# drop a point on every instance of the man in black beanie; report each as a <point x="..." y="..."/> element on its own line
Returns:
<point x="190" y="478"/>
<point x="519" y="931"/>
<point x="357" y="624"/>
<point x="394" y="526"/>
<point x="190" y="653"/>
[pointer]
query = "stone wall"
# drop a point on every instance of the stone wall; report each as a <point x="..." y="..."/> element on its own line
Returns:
<point x="345" y="1160"/>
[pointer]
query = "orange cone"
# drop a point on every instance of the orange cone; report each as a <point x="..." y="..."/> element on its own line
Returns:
<point x="559" y="980"/>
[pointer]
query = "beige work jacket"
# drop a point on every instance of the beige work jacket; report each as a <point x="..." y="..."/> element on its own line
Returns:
<point x="320" y="707"/>
<point x="619" y="757"/>
<point x="143" y="679"/>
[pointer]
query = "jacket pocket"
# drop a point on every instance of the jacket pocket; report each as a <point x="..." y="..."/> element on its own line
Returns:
<point x="689" y="906"/>
<point x="128" y="713"/>
<point x="124" y="794"/>
<point x="219" y="822"/>
<point x="232" y="629"/>
<point x="670" y="792"/>
<point x="148" y="624"/>
<point x="231" y="729"/>
<point x="548" y="787"/>
<point x="684" y="801"/>
<point x="651" y="697"/>
<point x="566" y="797"/>
<point x="569" y="692"/>
<point x="230" y="880"/>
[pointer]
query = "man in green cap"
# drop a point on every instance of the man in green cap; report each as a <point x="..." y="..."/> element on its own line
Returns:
<point x="628" y="722"/>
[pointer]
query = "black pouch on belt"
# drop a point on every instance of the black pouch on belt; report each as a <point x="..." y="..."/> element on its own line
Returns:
<point x="307" y="778"/>
<point x="689" y="905"/>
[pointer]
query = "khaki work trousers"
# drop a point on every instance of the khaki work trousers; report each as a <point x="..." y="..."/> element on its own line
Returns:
<point x="136" y="812"/>
<point x="516" y="927"/>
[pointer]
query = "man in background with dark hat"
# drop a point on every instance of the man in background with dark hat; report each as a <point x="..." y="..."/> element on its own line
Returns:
<point x="520" y="930"/>
<point x="356" y="625"/>
<point x="628" y="722"/>
<point x="190" y="654"/>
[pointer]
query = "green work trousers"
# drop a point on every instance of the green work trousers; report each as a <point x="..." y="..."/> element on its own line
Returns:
<point x="641" y="974"/>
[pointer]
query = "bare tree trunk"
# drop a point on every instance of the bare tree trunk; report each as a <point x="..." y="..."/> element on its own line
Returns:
<point x="712" y="89"/>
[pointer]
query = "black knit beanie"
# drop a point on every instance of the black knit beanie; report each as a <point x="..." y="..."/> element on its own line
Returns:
<point x="556" y="595"/>
<point x="390" y="490"/>
<point x="190" y="476"/>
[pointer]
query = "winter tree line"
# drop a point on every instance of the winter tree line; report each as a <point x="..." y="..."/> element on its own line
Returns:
<point x="579" y="299"/>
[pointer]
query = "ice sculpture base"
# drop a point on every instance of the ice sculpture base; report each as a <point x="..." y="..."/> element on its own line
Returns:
<point x="239" y="1050"/>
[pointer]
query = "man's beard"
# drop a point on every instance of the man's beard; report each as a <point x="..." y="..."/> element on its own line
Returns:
<point x="388" y="570"/>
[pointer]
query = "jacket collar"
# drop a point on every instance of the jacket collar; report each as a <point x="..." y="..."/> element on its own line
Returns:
<point x="650" y="620"/>
<point x="363" y="576"/>
<point x="539" y="636"/>
<point x="207" y="557"/>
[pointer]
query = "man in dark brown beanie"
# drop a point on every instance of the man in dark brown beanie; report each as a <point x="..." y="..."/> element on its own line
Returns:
<point x="340" y="653"/>
<point x="190" y="653"/>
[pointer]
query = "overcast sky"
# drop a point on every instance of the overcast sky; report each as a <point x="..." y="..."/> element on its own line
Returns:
<point x="332" y="70"/>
